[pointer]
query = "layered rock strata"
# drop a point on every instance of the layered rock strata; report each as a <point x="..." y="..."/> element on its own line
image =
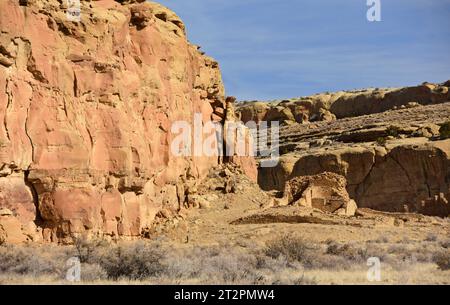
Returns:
<point x="86" y="110"/>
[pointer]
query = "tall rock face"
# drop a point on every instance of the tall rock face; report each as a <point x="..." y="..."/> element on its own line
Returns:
<point x="409" y="176"/>
<point x="86" y="109"/>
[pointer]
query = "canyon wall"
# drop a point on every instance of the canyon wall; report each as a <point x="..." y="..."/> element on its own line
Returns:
<point x="344" y="104"/>
<point x="408" y="176"/>
<point x="397" y="160"/>
<point x="390" y="144"/>
<point x="86" y="110"/>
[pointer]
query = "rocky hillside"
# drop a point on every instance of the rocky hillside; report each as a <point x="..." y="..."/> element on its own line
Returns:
<point x="392" y="147"/>
<point x="343" y="104"/>
<point x="86" y="110"/>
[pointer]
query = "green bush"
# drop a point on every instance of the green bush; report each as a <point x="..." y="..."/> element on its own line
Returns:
<point x="392" y="131"/>
<point x="381" y="141"/>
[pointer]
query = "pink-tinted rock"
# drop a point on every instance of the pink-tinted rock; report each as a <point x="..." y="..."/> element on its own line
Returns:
<point x="88" y="110"/>
<point x="11" y="230"/>
<point x="16" y="196"/>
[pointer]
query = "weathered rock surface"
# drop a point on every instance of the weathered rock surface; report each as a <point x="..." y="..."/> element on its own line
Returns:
<point x="393" y="161"/>
<point x="343" y="104"/>
<point x="86" y="110"/>
<point x="85" y="140"/>
<point x="325" y="191"/>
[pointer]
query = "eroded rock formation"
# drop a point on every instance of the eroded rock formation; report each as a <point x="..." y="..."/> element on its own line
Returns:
<point x="344" y="104"/>
<point x="393" y="161"/>
<point x="86" y="111"/>
<point x="325" y="191"/>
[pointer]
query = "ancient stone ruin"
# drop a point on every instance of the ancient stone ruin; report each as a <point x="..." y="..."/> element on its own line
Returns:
<point x="326" y="192"/>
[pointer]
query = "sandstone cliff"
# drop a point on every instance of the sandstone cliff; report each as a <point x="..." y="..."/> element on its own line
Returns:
<point x="397" y="161"/>
<point x="344" y="104"/>
<point x="86" y="111"/>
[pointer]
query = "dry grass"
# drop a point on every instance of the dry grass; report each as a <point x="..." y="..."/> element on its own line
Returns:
<point x="27" y="261"/>
<point x="148" y="262"/>
<point x="289" y="259"/>
<point x="442" y="260"/>
<point x="291" y="247"/>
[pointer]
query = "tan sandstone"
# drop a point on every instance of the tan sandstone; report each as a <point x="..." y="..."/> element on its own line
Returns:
<point x="87" y="109"/>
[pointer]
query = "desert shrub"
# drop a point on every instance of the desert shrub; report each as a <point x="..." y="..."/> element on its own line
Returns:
<point x="227" y="264"/>
<point x="406" y="252"/>
<point x="445" y="243"/>
<point x="392" y="131"/>
<point x="231" y="268"/>
<point x="301" y="280"/>
<point x="444" y="130"/>
<point x="442" y="260"/>
<point x="407" y="249"/>
<point x="431" y="237"/>
<point x="304" y="280"/>
<point x="26" y="261"/>
<point x="217" y="264"/>
<point x="85" y="248"/>
<point x="92" y="272"/>
<point x="271" y="264"/>
<point x="381" y="141"/>
<point x="379" y="240"/>
<point x="149" y="261"/>
<point x="295" y="249"/>
<point x="397" y="248"/>
<point x="137" y="261"/>
<point x="291" y="247"/>
<point x="332" y="262"/>
<point x="347" y="251"/>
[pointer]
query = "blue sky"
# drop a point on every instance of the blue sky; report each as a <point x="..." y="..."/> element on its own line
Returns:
<point x="270" y="49"/>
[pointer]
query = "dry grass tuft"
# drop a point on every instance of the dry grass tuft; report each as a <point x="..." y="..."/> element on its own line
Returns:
<point x="288" y="259"/>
